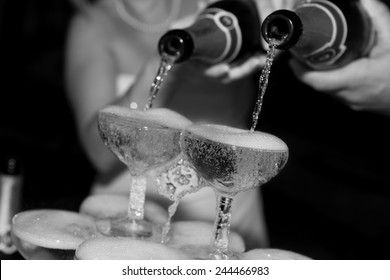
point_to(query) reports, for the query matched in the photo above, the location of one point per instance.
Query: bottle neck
(215, 36)
(282, 28)
(224, 32)
(176, 44)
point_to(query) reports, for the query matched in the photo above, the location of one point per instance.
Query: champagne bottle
(323, 34)
(10, 202)
(227, 30)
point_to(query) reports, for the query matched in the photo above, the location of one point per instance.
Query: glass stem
(136, 205)
(222, 223)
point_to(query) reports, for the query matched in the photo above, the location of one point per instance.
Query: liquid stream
(176, 188)
(263, 83)
(165, 66)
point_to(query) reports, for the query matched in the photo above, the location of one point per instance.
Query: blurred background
(35, 120)
(318, 218)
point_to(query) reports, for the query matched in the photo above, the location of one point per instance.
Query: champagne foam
(238, 137)
(56, 229)
(122, 248)
(156, 116)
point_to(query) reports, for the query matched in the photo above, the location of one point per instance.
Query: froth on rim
(55, 229)
(122, 248)
(238, 137)
(158, 116)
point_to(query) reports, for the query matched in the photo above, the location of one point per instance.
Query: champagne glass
(46, 234)
(231, 160)
(143, 141)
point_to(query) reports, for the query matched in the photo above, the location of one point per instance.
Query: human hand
(228, 72)
(363, 84)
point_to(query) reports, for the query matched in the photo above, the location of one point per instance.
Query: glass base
(138, 229)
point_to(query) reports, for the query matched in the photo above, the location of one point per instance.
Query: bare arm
(91, 72)
(90, 80)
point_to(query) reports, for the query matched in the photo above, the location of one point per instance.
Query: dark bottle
(10, 202)
(227, 30)
(323, 34)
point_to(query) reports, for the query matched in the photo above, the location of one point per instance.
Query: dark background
(35, 120)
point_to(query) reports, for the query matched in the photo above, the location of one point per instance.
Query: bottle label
(220, 29)
(328, 30)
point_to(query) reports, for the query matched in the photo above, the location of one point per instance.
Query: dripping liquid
(176, 198)
(167, 226)
(183, 180)
(263, 83)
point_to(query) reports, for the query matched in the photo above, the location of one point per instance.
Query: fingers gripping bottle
(323, 34)
(225, 31)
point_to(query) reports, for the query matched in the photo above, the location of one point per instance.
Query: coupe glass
(231, 160)
(143, 141)
(47, 234)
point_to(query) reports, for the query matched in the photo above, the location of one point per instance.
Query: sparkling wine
(231, 160)
(166, 64)
(50, 234)
(234, 160)
(263, 82)
(141, 139)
